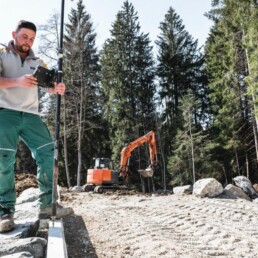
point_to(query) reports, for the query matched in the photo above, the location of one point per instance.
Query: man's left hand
(58, 88)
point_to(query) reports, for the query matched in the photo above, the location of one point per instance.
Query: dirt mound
(24, 181)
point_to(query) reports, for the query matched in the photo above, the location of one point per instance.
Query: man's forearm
(8, 82)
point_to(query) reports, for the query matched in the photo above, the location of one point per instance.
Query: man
(19, 118)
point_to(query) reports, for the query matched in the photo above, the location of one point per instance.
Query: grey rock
(23, 228)
(26, 210)
(28, 195)
(25, 219)
(77, 189)
(26, 226)
(207, 187)
(35, 245)
(245, 184)
(236, 192)
(186, 189)
(19, 255)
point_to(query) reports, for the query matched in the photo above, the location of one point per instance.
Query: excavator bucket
(148, 172)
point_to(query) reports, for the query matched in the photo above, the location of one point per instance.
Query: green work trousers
(34, 133)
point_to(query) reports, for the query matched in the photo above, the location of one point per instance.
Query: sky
(103, 14)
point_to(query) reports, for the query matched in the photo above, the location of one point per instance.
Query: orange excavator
(103, 176)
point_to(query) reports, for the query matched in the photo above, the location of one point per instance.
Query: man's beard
(21, 48)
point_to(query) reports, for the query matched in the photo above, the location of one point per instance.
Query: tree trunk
(79, 142)
(65, 149)
(160, 148)
(237, 163)
(255, 139)
(225, 174)
(192, 146)
(247, 167)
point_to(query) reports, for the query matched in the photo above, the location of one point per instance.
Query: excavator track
(102, 188)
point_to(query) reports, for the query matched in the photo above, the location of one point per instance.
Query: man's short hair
(27, 25)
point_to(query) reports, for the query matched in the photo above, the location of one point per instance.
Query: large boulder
(35, 246)
(207, 187)
(245, 184)
(235, 192)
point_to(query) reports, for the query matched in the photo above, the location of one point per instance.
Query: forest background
(200, 101)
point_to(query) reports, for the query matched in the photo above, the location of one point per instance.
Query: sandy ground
(117, 225)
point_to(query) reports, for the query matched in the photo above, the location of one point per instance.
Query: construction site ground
(132, 224)
(137, 225)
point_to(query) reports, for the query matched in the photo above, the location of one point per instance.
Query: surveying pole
(57, 119)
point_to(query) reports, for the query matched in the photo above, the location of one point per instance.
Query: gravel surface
(138, 225)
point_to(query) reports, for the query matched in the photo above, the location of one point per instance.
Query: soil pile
(24, 181)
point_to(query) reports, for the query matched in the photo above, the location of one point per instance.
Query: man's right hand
(27, 80)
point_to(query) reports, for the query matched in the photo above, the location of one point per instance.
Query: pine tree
(128, 82)
(186, 164)
(83, 106)
(180, 68)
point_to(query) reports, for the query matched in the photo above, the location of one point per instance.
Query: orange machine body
(100, 176)
(102, 173)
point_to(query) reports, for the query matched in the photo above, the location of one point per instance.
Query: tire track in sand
(171, 226)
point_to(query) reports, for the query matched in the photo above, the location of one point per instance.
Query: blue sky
(103, 12)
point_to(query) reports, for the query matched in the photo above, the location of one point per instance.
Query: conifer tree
(83, 106)
(128, 82)
(180, 68)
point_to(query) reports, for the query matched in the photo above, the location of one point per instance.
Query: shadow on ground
(77, 238)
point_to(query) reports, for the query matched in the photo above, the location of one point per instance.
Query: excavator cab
(103, 163)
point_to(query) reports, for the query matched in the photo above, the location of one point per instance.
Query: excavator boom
(127, 151)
